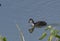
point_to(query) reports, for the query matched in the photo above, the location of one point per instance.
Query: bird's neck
(32, 24)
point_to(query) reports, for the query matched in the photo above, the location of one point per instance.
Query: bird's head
(31, 20)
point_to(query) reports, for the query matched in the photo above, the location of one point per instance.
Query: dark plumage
(36, 24)
(40, 23)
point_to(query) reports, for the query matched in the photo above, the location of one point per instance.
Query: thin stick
(21, 33)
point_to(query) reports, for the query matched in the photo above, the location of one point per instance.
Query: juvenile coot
(36, 24)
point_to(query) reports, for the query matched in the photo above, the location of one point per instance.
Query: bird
(38, 24)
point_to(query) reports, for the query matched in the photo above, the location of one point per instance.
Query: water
(19, 11)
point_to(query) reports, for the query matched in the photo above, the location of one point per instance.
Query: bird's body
(38, 24)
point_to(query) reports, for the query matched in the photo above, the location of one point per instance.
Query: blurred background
(19, 11)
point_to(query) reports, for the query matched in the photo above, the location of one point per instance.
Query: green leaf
(58, 36)
(48, 28)
(50, 38)
(59, 40)
(1, 38)
(4, 39)
(43, 36)
(52, 32)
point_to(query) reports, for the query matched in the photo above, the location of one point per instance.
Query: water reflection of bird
(36, 24)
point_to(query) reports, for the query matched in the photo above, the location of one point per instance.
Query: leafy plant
(3, 38)
(53, 33)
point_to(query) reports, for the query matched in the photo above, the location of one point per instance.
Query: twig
(21, 33)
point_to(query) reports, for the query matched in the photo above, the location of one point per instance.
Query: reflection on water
(54, 24)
